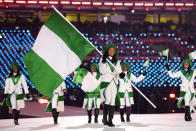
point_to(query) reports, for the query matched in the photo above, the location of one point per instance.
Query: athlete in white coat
(92, 98)
(126, 91)
(58, 101)
(187, 76)
(13, 91)
(109, 83)
(90, 82)
(56, 104)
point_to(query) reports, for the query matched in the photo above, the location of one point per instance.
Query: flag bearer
(126, 91)
(13, 91)
(187, 76)
(109, 83)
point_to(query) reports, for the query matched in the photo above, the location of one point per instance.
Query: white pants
(13, 100)
(91, 102)
(187, 98)
(54, 100)
(125, 101)
(110, 94)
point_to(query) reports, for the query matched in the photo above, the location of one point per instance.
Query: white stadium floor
(139, 122)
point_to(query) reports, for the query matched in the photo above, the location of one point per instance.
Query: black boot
(187, 114)
(122, 115)
(128, 111)
(54, 114)
(15, 116)
(105, 114)
(111, 115)
(18, 114)
(89, 115)
(57, 115)
(96, 115)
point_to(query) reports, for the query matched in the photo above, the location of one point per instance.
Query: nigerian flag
(192, 55)
(146, 63)
(164, 52)
(88, 81)
(58, 50)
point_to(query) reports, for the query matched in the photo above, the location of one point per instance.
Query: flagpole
(168, 55)
(100, 53)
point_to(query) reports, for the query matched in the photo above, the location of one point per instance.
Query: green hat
(96, 66)
(189, 61)
(15, 64)
(108, 46)
(125, 64)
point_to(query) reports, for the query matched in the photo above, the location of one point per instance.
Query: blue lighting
(133, 51)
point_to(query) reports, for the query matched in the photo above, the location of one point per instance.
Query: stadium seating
(134, 49)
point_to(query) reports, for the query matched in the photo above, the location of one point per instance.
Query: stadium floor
(140, 122)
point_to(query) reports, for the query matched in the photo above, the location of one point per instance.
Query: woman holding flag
(126, 91)
(13, 91)
(187, 76)
(91, 86)
(109, 82)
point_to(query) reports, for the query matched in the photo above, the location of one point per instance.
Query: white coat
(89, 84)
(125, 88)
(187, 85)
(10, 89)
(111, 77)
(126, 85)
(58, 92)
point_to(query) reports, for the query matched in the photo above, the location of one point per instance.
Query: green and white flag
(164, 52)
(146, 63)
(192, 55)
(1, 103)
(88, 80)
(80, 73)
(58, 50)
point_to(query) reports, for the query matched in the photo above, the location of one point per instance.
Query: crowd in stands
(34, 24)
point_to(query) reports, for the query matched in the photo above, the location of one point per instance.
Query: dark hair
(114, 58)
(18, 73)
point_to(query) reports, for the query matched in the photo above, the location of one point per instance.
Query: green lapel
(111, 67)
(128, 76)
(186, 76)
(15, 80)
(98, 76)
